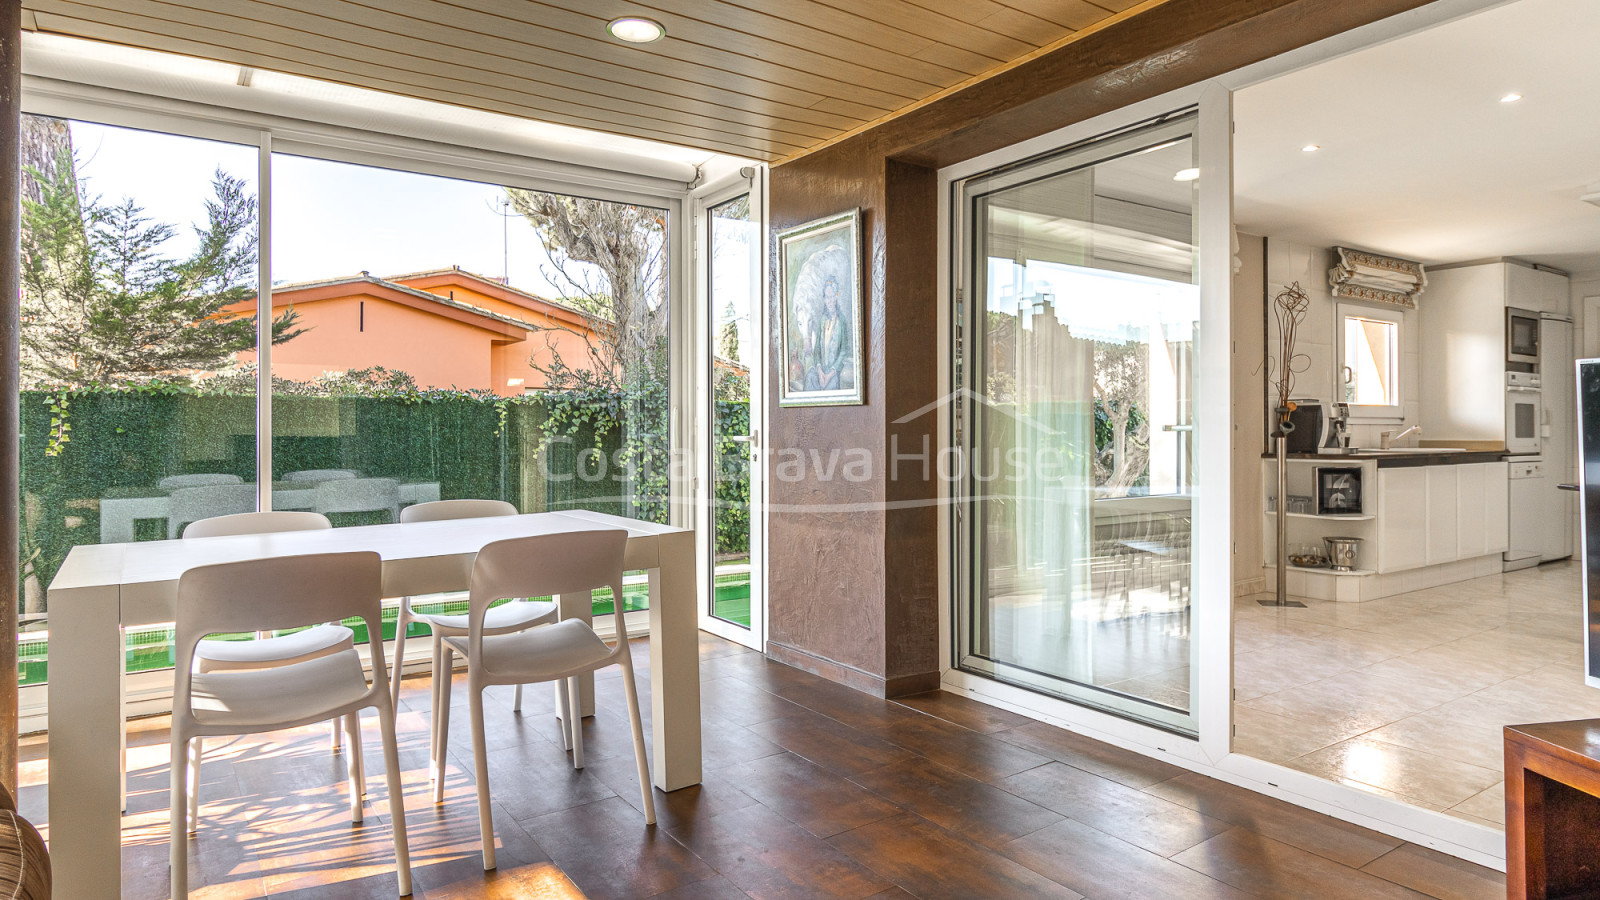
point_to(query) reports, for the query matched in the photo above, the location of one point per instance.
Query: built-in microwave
(1522, 336)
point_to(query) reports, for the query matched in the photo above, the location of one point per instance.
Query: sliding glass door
(1077, 320)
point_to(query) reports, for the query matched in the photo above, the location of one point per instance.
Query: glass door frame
(968, 561)
(751, 181)
(1211, 613)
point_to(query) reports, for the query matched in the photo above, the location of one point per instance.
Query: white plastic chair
(320, 475)
(267, 651)
(357, 495)
(270, 594)
(173, 482)
(191, 504)
(503, 619)
(536, 566)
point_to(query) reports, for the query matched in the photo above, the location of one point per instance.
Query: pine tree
(102, 304)
(610, 265)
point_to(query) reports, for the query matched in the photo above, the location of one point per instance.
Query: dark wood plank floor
(811, 790)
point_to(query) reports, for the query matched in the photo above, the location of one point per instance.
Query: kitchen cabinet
(1496, 508)
(1443, 501)
(1402, 519)
(1430, 515)
(1462, 339)
(1472, 533)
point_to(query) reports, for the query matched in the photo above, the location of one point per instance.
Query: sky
(329, 219)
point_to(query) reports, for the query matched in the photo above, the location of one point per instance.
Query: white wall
(1288, 262)
(1249, 423)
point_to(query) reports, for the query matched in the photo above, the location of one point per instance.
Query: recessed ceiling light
(636, 30)
(1310, 148)
(1186, 175)
(1511, 97)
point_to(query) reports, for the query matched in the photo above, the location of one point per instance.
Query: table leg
(86, 663)
(675, 664)
(122, 717)
(578, 606)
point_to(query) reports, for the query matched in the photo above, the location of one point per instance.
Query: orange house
(446, 328)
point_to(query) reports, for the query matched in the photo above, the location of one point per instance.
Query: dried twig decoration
(1289, 310)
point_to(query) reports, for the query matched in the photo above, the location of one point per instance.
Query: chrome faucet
(1387, 436)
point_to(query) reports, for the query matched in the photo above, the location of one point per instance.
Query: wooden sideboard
(1553, 811)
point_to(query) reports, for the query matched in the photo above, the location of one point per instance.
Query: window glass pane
(138, 324)
(1081, 463)
(1371, 359)
(463, 340)
(733, 242)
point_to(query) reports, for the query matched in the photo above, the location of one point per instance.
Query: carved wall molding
(1375, 278)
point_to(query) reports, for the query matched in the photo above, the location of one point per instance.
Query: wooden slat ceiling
(763, 79)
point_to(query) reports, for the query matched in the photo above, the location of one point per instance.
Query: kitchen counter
(1406, 459)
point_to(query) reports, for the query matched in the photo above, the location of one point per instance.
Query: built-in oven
(1522, 336)
(1524, 405)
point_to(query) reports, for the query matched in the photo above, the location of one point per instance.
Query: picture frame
(823, 357)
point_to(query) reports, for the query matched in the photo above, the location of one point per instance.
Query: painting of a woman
(822, 343)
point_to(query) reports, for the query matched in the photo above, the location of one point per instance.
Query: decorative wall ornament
(1374, 278)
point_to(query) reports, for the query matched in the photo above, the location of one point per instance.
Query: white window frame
(1211, 754)
(1211, 628)
(150, 693)
(1185, 120)
(753, 183)
(1393, 412)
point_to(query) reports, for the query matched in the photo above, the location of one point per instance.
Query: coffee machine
(1310, 421)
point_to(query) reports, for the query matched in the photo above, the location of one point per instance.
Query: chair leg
(480, 761)
(336, 741)
(435, 769)
(575, 723)
(197, 747)
(564, 698)
(516, 700)
(361, 758)
(634, 719)
(442, 675)
(352, 764)
(401, 622)
(397, 800)
(179, 801)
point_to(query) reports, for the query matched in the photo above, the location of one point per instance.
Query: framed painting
(820, 279)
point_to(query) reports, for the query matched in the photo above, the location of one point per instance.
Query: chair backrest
(320, 475)
(273, 594)
(257, 523)
(191, 504)
(348, 495)
(172, 482)
(545, 564)
(439, 510)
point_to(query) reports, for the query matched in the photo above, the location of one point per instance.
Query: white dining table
(103, 588)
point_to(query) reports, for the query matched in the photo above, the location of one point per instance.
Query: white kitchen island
(1426, 518)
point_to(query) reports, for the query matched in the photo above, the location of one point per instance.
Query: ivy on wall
(607, 450)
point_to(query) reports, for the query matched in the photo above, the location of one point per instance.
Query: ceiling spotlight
(1186, 175)
(1511, 97)
(636, 30)
(1310, 148)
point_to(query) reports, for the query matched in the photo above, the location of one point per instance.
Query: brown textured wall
(852, 593)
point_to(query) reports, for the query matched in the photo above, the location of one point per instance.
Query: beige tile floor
(1406, 696)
